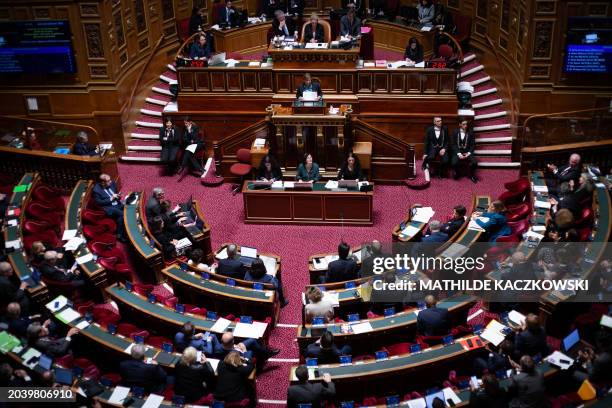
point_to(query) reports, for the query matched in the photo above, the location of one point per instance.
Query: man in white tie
(463, 144)
(436, 146)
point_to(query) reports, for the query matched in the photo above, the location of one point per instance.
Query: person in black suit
(433, 321)
(13, 378)
(153, 205)
(106, 195)
(228, 15)
(325, 351)
(314, 31)
(566, 199)
(136, 373)
(309, 85)
(351, 168)
(414, 51)
(295, 7)
(191, 136)
(342, 269)
(9, 292)
(38, 336)
(231, 266)
(270, 7)
(50, 270)
(462, 150)
(436, 145)
(454, 224)
(281, 25)
(527, 388)
(193, 379)
(565, 173)
(491, 395)
(169, 139)
(307, 393)
(167, 238)
(82, 147)
(531, 340)
(350, 24)
(196, 20)
(200, 49)
(269, 170)
(233, 378)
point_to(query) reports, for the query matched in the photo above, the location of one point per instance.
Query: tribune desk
(321, 55)
(316, 206)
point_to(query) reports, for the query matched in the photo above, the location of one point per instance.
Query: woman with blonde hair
(233, 378)
(318, 305)
(496, 224)
(193, 378)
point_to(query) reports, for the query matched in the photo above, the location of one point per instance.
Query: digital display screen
(589, 45)
(36, 47)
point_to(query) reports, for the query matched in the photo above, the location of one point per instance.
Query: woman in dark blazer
(314, 31)
(193, 379)
(269, 170)
(351, 169)
(233, 378)
(308, 170)
(414, 51)
(169, 139)
(164, 237)
(258, 273)
(200, 49)
(497, 224)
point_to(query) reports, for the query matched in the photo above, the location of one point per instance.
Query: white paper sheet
(540, 189)
(423, 214)
(516, 317)
(542, 204)
(220, 325)
(492, 336)
(249, 252)
(183, 243)
(417, 403)
(426, 28)
(153, 401)
(69, 234)
(119, 394)
(192, 148)
(538, 228)
(32, 352)
(73, 243)
(277, 185)
(13, 223)
(68, 315)
(82, 325)
(556, 357)
(61, 302)
(309, 96)
(606, 321)
(259, 142)
(449, 394)
(222, 254)
(319, 264)
(364, 327)
(410, 231)
(85, 258)
(474, 226)
(289, 184)
(254, 64)
(255, 330)
(420, 64)
(16, 244)
(214, 363)
(270, 264)
(331, 184)
(333, 297)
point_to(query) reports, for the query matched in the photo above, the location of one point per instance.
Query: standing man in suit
(350, 25)
(342, 269)
(454, 224)
(531, 340)
(169, 139)
(436, 145)
(82, 147)
(314, 31)
(191, 136)
(136, 373)
(227, 15)
(281, 25)
(462, 150)
(565, 173)
(307, 393)
(527, 387)
(231, 266)
(106, 194)
(433, 321)
(309, 85)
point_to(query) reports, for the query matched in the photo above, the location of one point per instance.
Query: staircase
(143, 145)
(491, 122)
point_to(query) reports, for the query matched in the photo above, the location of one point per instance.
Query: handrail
(539, 115)
(144, 69)
(567, 146)
(54, 122)
(454, 41)
(508, 88)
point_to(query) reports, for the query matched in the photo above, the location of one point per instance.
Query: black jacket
(53, 347)
(314, 87)
(414, 55)
(192, 137)
(173, 138)
(468, 144)
(84, 149)
(309, 394)
(528, 391)
(9, 292)
(341, 270)
(223, 17)
(232, 268)
(433, 321)
(480, 399)
(319, 31)
(347, 28)
(567, 173)
(531, 343)
(452, 226)
(327, 356)
(346, 174)
(152, 208)
(232, 382)
(276, 173)
(165, 240)
(136, 373)
(432, 144)
(279, 31)
(193, 381)
(55, 273)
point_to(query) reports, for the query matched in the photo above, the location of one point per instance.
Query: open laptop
(571, 344)
(347, 184)
(217, 59)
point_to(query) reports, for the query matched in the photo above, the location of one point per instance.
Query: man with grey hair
(52, 271)
(565, 173)
(38, 337)
(9, 291)
(281, 25)
(435, 235)
(231, 266)
(135, 372)
(153, 207)
(82, 147)
(106, 195)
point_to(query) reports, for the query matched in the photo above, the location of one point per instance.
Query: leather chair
(326, 30)
(519, 212)
(519, 227)
(518, 185)
(50, 197)
(586, 218)
(242, 168)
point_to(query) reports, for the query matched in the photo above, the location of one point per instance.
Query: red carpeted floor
(294, 244)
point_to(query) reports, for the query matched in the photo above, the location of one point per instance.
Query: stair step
(480, 145)
(136, 148)
(495, 133)
(170, 74)
(484, 92)
(471, 71)
(158, 99)
(141, 157)
(168, 80)
(484, 140)
(487, 103)
(478, 78)
(493, 152)
(144, 142)
(469, 65)
(162, 88)
(500, 164)
(150, 112)
(149, 124)
(491, 127)
(491, 115)
(468, 57)
(143, 136)
(171, 67)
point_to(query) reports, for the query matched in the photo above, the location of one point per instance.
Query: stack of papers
(556, 357)
(73, 243)
(426, 28)
(493, 332)
(310, 96)
(289, 184)
(534, 235)
(423, 214)
(259, 142)
(409, 231)
(331, 184)
(369, 64)
(68, 234)
(255, 330)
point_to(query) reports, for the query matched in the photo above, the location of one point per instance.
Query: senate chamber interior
(306, 203)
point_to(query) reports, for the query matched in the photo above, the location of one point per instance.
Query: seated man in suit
(314, 31)
(557, 175)
(527, 387)
(433, 321)
(281, 25)
(153, 206)
(462, 150)
(454, 224)
(39, 337)
(295, 7)
(82, 147)
(50, 269)
(325, 351)
(350, 25)
(435, 233)
(9, 291)
(436, 144)
(228, 15)
(106, 195)
(342, 269)
(231, 266)
(566, 199)
(312, 394)
(248, 349)
(531, 340)
(136, 373)
(308, 85)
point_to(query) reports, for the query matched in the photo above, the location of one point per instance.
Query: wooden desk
(394, 37)
(245, 40)
(142, 244)
(18, 259)
(315, 273)
(308, 56)
(95, 272)
(319, 206)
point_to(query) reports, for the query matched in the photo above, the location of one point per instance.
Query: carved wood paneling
(233, 82)
(143, 43)
(504, 22)
(167, 9)
(545, 7)
(346, 83)
(93, 39)
(598, 9)
(41, 13)
(265, 81)
(141, 18)
(119, 32)
(482, 9)
(542, 39)
(202, 82)
(381, 83)
(98, 71)
(364, 82)
(217, 80)
(89, 10)
(539, 71)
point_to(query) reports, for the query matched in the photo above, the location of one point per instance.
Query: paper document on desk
(410, 231)
(538, 228)
(222, 254)
(153, 401)
(309, 96)
(70, 233)
(369, 65)
(309, 45)
(331, 185)
(259, 142)
(540, 189)
(556, 357)
(493, 333)
(254, 64)
(277, 185)
(423, 214)
(333, 298)
(192, 148)
(15, 244)
(417, 403)
(119, 395)
(231, 62)
(516, 318)
(426, 28)
(542, 204)
(270, 264)
(220, 325)
(215, 27)
(289, 184)
(398, 64)
(255, 330)
(420, 64)
(449, 394)
(364, 327)
(73, 243)
(13, 223)
(85, 258)
(68, 315)
(534, 235)
(57, 303)
(473, 225)
(248, 252)
(183, 243)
